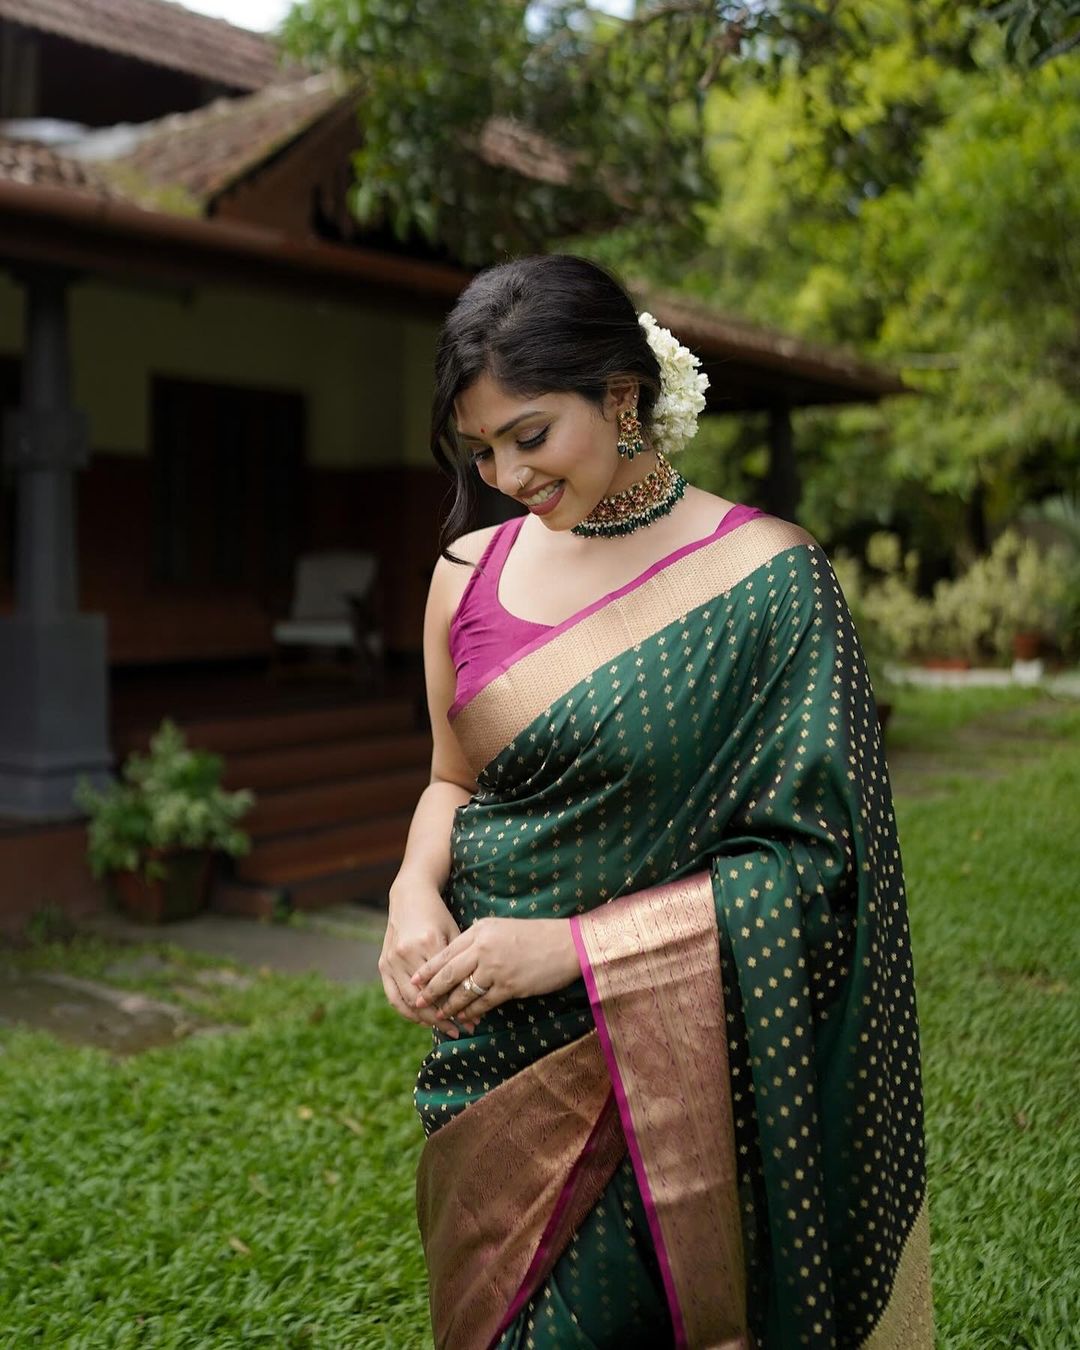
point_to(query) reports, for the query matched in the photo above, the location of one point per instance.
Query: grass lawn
(256, 1188)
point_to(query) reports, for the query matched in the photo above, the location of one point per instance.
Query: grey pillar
(782, 486)
(53, 663)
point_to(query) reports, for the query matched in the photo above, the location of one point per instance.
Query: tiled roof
(506, 143)
(37, 165)
(199, 154)
(724, 337)
(157, 32)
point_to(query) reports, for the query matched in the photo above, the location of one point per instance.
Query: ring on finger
(471, 987)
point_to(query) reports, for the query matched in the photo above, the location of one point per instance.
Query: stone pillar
(782, 486)
(53, 661)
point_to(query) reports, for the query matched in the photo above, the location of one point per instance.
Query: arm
(419, 924)
(504, 956)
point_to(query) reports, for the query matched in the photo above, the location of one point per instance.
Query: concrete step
(368, 885)
(314, 805)
(288, 860)
(248, 733)
(293, 766)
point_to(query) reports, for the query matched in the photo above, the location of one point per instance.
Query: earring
(629, 443)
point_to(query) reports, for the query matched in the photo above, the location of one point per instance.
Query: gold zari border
(908, 1320)
(652, 962)
(490, 1182)
(510, 703)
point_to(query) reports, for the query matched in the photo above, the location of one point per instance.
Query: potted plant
(152, 834)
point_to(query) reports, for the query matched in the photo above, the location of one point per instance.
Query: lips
(547, 502)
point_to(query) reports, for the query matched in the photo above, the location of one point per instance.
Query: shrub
(171, 798)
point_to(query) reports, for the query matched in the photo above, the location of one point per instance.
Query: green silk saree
(714, 1138)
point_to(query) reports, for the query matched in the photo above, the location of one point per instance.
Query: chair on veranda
(335, 609)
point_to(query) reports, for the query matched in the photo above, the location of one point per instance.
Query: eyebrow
(507, 426)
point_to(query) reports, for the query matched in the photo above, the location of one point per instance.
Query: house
(208, 371)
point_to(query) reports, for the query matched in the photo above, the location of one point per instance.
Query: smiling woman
(651, 902)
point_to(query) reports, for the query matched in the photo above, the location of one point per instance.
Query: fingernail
(421, 1001)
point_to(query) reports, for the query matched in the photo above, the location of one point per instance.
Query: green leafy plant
(169, 799)
(1016, 588)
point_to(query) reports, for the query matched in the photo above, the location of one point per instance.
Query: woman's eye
(480, 456)
(534, 441)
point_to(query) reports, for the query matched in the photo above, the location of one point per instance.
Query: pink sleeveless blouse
(484, 635)
(482, 632)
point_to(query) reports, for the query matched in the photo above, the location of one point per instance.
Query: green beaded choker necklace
(639, 505)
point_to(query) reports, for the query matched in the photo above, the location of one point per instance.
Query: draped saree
(714, 1137)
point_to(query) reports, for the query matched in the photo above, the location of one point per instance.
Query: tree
(605, 115)
(917, 196)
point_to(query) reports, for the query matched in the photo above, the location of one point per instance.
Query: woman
(652, 901)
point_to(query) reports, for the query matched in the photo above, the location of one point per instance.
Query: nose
(512, 480)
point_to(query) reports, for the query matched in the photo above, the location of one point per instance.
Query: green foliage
(913, 194)
(434, 80)
(1018, 587)
(1015, 588)
(1038, 30)
(170, 798)
(606, 112)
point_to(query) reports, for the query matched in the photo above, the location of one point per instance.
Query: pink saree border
(542, 1261)
(631, 1136)
(735, 516)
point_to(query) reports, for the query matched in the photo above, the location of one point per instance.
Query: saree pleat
(712, 726)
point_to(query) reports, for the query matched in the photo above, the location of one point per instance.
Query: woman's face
(555, 453)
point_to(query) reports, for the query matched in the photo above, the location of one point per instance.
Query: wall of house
(365, 378)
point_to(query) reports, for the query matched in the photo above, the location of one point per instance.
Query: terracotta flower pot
(184, 892)
(1027, 646)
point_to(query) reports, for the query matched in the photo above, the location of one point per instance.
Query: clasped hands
(426, 959)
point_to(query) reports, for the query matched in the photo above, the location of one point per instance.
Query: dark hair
(548, 324)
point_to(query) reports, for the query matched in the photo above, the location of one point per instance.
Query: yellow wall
(366, 374)
(419, 373)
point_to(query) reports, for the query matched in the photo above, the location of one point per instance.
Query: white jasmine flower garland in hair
(682, 388)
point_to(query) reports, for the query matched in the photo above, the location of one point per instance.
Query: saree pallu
(714, 1138)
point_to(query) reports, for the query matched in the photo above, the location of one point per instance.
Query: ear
(622, 393)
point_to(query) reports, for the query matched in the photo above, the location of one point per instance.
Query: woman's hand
(418, 927)
(509, 958)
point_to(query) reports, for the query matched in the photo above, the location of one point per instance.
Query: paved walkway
(1063, 683)
(342, 942)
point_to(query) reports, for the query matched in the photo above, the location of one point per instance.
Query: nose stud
(523, 478)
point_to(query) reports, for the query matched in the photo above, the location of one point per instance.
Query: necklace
(639, 505)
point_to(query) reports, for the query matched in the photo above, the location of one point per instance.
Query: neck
(632, 471)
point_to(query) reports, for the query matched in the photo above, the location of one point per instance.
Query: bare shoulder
(449, 579)
(471, 546)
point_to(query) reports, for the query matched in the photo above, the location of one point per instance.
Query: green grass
(924, 718)
(992, 875)
(237, 1191)
(257, 1188)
